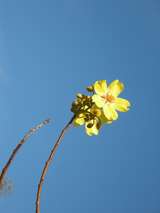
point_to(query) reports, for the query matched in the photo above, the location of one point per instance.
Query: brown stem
(45, 169)
(24, 139)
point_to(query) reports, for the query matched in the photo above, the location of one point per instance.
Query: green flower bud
(90, 88)
(79, 95)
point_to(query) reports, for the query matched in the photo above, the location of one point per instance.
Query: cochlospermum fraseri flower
(100, 108)
(87, 113)
(92, 111)
(106, 98)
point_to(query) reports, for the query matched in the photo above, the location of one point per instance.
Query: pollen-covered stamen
(109, 98)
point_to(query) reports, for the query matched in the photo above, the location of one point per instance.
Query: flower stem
(48, 162)
(14, 152)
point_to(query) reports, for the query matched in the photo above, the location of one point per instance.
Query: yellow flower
(100, 108)
(93, 119)
(91, 126)
(79, 120)
(106, 97)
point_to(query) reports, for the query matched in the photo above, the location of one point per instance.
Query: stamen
(108, 98)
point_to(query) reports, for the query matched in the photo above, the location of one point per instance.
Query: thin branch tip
(48, 120)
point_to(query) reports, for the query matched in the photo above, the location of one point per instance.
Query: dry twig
(45, 169)
(25, 138)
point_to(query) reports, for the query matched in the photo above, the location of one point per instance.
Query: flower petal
(79, 121)
(98, 100)
(100, 87)
(116, 87)
(122, 105)
(104, 120)
(110, 112)
(91, 131)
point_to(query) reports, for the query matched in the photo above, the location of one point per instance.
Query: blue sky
(49, 51)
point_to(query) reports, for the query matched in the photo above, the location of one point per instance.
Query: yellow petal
(91, 131)
(100, 87)
(116, 87)
(122, 105)
(79, 121)
(98, 100)
(109, 112)
(104, 120)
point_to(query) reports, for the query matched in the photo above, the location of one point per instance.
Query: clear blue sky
(49, 51)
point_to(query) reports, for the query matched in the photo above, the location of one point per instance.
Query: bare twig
(25, 138)
(51, 156)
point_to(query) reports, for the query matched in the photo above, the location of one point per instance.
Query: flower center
(109, 98)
